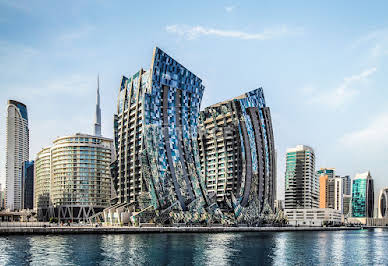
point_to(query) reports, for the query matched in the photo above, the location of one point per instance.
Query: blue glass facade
(28, 184)
(238, 156)
(159, 162)
(362, 197)
(156, 136)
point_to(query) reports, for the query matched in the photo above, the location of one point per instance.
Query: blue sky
(323, 67)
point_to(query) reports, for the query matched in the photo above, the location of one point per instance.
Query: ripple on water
(278, 248)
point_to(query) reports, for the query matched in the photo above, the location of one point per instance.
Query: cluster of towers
(217, 165)
(169, 162)
(306, 188)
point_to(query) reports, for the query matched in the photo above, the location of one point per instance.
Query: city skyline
(249, 50)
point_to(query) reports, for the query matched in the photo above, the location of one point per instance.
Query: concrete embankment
(142, 230)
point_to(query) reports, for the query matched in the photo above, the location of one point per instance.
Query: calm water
(285, 248)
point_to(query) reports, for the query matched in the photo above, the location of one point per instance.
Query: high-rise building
(17, 152)
(97, 124)
(362, 196)
(382, 211)
(42, 182)
(346, 185)
(73, 177)
(158, 164)
(237, 151)
(301, 183)
(330, 189)
(336, 194)
(28, 185)
(156, 136)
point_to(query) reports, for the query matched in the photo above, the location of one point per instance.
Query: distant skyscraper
(346, 185)
(362, 196)
(237, 150)
(97, 124)
(28, 185)
(330, 189)
(17, 152)
(301, 183)
(382, 211)
(329, 172)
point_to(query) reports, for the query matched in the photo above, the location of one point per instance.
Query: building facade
(28, 185)
(157, 150)
(237, 151)
(323, 191)
(17, 152)
(330, 189)
(42, 181)
(362, 196)
(160, 161)
(329, 172)
(346, 185)
(2, 198)
(313, 217)
(347, 205)
(73, 178)
(382, 211)
(301, 182)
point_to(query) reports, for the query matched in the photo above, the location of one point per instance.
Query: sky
(323, 67)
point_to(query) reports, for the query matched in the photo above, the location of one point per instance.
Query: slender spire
(97, 124)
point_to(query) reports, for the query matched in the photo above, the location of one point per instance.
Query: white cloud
(229, 8)
(341, 94)
(373, 136)
(194, 32)
(375, 43)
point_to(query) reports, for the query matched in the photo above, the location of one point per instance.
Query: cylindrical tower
(80, 171)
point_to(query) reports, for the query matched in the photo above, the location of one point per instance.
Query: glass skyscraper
(156, 135)
(301, 182)
(28, 185)
(362, 196)
(162, 174)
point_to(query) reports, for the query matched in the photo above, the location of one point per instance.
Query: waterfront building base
(141, 230)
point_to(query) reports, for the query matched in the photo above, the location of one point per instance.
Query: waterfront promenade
(137, 230)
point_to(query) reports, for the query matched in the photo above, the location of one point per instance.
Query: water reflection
(287, 248)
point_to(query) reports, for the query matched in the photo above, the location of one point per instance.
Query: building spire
(97, 124)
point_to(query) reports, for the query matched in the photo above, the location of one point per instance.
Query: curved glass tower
(17, 152)
(237, 154)
(156, 136)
